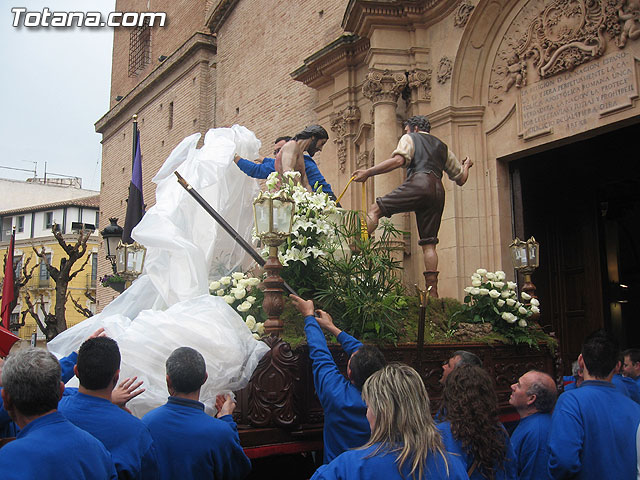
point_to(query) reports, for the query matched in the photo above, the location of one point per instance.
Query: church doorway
(581, 201)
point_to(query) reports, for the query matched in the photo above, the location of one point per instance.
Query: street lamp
(525, 257)
(112, 234)
(130, 260)
(273, 220)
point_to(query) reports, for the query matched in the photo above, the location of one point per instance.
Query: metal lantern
(273, 217)
(112, 234)
(525, 255)
(130, 260)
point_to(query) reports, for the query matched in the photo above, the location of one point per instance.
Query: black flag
(135, 205)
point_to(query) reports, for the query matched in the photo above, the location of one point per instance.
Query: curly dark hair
(419, 121)
(471, 406)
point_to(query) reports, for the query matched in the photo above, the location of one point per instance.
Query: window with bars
(139, 48)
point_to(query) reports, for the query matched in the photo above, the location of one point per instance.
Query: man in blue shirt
(533, 397)
(631, 364)
(190, 444)
(345, 413)
(125, 436)
(594, 427)
(268, 166)
(48, 446)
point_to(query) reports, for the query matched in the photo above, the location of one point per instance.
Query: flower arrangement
(235, 291)
(493, 299)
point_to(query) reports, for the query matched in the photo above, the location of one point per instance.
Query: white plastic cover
(169, 305)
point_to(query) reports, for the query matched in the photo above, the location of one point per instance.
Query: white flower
(511, 302)
(475, 291)
(491, 276)
(229, 299)
(468, 289)
(535, 309)
(500, 303)
(253, 281)
(509, 317)
(522, 311)
(498, 284)
(481, 271)
(505, 294)
(244, 283)
(535, 302)
(251, 322)
(239, 293)
(476, 283)
(243, 307)
(518, 304)
(251, 299)
(525, 296)
(272, 180)
(256, 336)
(494, 293)
(214, 286)
(500, 275)
(260, 328)
(475, 276)
(484, 291)
(225, 280)
(237, 275)
(511, 285)
(220, 292)
(522, 323)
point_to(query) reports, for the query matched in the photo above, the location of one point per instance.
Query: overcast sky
(55, 85)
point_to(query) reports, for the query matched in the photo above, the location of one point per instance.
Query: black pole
(228, 228)
(135, 140)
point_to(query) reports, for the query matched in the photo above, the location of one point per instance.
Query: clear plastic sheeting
(169, 305)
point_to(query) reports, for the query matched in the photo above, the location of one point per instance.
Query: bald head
(535, 392)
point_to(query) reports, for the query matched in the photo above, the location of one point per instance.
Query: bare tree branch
(79, 308)
(73, 275)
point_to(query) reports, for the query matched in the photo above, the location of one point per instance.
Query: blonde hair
(398, 398)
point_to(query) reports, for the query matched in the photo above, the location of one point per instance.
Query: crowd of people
(378, 421)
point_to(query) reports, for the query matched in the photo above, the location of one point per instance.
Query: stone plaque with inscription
(575, 101)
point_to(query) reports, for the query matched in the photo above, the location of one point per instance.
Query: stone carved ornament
(420, 82)
(384, 85)
(445, 67)
(557, 36)
(340, 126)
(463, 12)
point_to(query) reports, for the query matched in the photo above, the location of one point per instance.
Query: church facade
(541, 94)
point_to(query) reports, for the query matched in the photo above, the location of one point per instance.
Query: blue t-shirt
(264, 169)
(505, 472)
(50, 447)
(359, 464)
(627, 386)
(593, 432)
(192, 445)
(345, 413)
(530, 442)
(125, 436)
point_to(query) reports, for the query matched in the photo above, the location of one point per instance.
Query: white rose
(494, 293)
(500, 303)
(481, 271)
(214, 286)
(518, 304)
(525, 296)
(237, 275)
(251, 299)
(491, 276)
(229, 299)
(239, 293)
(484, 291)
(505, 294)
(225, 280)
(260, 328)
(475, 276)
(498, 284)
(512, 318)
(500, 275)
(535, 302)
(253, 281)
(511, 302)
(522, 323)
(244, 283)
(522, 311)
(251, 322)
(256, 336)
(220, 292)
(475, 291)
(243, 307)
(468, 289)
(511, 285)
(476, 283)
(535, 309)
(506, 316)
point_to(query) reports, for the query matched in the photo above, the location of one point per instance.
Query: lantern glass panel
(282, 215)
(519, 255)
(112, 245)
(534, 260)
(121, 264)
(262, 217)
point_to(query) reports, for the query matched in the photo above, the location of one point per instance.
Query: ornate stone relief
(445, 68)
(419, 81)
(340, 125)
(549, 38)
(363, 160)
(463, 12)
(384, 85)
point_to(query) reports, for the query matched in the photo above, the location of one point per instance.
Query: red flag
(8, 293)
(7, 339)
